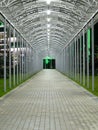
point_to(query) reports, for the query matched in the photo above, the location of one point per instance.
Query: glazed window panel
(1, 54)
(96, 53)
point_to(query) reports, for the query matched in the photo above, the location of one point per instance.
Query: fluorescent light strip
(48, 25)
(48, 12)
(48, 19)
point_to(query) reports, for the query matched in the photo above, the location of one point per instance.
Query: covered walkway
(49, 101)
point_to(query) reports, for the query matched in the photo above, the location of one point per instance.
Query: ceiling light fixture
(48, 12)
(48, 30)
(48, 34)
(48, 25)
(48, 2)
(48, 19)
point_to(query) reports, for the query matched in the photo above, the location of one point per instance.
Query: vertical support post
(28, 59)
(83, 56)
(22, 57)
(14, 56)
(69, 58)
(9, 56)
(51, 63)
(72, 60)
(80, 60)
(26, 63)
(88, 43)
(17, 60)
(68, 61)
(30, 62)
(92, 26)
(45, 64)
(64, 60)
(75, 59)
(24, 60)
(4, 55)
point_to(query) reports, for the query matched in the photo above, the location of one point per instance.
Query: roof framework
(48, 32)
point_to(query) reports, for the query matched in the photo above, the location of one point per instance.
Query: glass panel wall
(73, 60)
(12, 63)
(1, 54)
(23, 58)
(90, 59)
(96, 53)
(77, 58)
(85, 44)
(81, 57)
(17, 62)
(7, 56)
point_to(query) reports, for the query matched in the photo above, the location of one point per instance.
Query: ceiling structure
(48, 25)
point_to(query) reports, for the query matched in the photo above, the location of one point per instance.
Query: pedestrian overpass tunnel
(29, 32)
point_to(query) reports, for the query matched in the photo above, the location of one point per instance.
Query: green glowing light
(1, 24)
(47, 59)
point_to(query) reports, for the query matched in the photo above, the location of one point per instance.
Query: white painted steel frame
(83, 56)
(10, 78)
(14, 56)
(15, 77)
(80, 59)
(4, 55)
(87, 27)
(92, 26)
(78, 56)
(66, 16)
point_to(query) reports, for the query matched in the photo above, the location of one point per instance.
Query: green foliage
(1, 23)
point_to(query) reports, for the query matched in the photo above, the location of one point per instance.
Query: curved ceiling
(48, 25)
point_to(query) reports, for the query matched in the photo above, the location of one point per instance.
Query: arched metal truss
(65, 19)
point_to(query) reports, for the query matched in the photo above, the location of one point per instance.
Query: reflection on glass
(81, 59)
(96, 55)
(7, 56)
(90, 59)
(1, 56)
(85, 58)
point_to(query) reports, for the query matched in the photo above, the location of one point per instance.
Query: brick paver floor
(49, 101)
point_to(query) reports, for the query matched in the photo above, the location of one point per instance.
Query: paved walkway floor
(49, 101)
